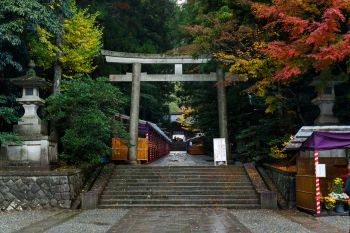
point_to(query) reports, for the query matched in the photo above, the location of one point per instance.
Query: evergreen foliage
(85, 114)
(19, 17)
(8, 115)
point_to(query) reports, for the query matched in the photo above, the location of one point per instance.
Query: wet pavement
(174, 220)
(181, 158)
(190, 220)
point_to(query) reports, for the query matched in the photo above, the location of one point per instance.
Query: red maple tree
(308, 33)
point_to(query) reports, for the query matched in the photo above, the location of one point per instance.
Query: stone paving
(169, 220)
(175, 220)
(189, 220)
(181, 158)
(92, 221)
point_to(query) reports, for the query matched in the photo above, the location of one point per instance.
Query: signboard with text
(321, 170)
(220, 151)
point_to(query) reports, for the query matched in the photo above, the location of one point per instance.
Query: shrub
(84, 114)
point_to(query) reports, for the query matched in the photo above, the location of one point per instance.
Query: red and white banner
(318, 192)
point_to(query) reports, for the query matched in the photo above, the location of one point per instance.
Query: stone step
(180, 196)
(181, 169)
(179, 188)
(229, 206)
(179, 201)
(177, 180)
(204, 171)
(246, 191)
(184, 176)
(200, 176)
(180, 173)
(192, 184)
(185, 169)
(170, 175)
(131, 167)
(195, 186)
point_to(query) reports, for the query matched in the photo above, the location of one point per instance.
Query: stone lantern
(36, 147)
(325, 101)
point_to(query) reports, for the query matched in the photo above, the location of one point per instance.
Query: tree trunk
(57, 76)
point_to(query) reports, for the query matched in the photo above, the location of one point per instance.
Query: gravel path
(15, 220)
(90, 221)
(263, 221)
(341, 222)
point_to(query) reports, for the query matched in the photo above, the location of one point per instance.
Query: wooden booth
(152, 142)
(318, 145)
(195, 146)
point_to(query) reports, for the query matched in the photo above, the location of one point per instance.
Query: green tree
(85, 113)
(81, 42)
(8, 115)
(17, 18)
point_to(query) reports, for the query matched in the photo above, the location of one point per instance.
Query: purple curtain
(326, 141)
(142, 129)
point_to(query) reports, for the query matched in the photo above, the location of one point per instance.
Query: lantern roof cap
(318, 81)
(30, 79)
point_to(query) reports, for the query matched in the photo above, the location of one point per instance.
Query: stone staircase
(190, 186)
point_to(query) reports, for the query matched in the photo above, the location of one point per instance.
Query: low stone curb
(87, 186)
(32, 173)
(89, 199)
(282, 203)
(268, 199)
(284, 181)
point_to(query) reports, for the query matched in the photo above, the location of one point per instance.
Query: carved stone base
(326, 117)
(39, 151)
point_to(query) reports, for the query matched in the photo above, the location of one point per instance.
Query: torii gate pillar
(134, 112)
(222, 109)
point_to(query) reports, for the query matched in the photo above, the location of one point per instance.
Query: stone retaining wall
(285, 183)
(38, 189)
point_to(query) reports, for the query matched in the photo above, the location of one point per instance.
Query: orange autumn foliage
(310, 33)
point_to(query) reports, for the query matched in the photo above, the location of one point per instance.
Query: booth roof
(305, 132)
(326, 141)
(143, 122)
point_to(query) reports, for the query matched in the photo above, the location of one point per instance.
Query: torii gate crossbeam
(136, 77)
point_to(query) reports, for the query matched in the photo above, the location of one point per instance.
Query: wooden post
(134, 112)
(318, 192)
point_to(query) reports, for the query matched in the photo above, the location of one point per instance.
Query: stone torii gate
(136, 77)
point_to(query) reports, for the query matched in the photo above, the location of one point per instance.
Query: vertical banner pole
(318, 192)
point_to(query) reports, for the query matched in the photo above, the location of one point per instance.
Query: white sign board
(219, 151)
(321, 170)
